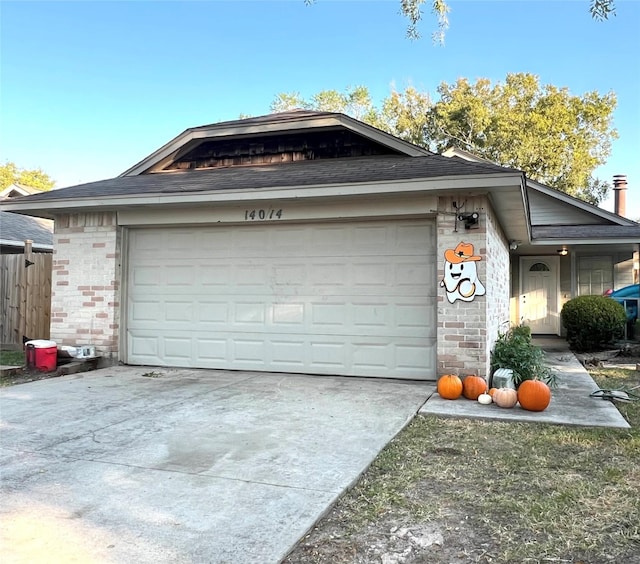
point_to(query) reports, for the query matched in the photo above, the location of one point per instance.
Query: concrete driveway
(132, 464)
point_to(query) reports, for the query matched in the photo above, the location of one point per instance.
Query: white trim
(555, 260)
(123, 349)
(599, 241)
(343, 209)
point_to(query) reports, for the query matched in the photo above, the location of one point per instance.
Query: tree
(35, 178)
(556, 138)
(412, 10)
(355, 101)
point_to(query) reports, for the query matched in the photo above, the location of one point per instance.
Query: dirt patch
(24, 375)
(621, 356)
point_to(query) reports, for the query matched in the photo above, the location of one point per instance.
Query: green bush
(515, 350)
(592, 322)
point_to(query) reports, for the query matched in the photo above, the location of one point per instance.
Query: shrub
(592, 321)
(515, 350)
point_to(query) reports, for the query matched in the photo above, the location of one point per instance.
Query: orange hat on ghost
(462, 253)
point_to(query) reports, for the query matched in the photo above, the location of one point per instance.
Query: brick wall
(467, 330)
(85, 301)
(498, 280)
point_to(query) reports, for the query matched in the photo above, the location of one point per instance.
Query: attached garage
(353, 298)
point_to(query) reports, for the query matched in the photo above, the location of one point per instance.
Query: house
(310, 242)
(16, 229)
(16, 190)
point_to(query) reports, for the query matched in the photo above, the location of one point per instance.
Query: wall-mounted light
(563, 252)
(513, 245)
(470, 219)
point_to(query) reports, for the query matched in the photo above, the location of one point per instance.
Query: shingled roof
(303, 173)
(16, 228)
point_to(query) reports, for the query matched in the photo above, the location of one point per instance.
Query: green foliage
(515, 350)
(36, 178)
(555, 137)
(405, 114)
(592, 321)
(412, 10)
(355, 101)
(602, 9)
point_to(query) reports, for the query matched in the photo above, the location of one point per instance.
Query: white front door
(539, 294)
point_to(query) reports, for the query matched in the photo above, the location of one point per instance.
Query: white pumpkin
(485, 399)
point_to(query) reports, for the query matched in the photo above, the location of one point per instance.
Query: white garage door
(327, 298)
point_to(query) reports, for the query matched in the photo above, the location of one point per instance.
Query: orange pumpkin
(450, 386)
(473, 386)
(534, 395)
(492, 391)
(505, 397)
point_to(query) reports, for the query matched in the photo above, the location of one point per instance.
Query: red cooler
(42, 355)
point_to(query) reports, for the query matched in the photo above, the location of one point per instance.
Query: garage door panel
(288, 314)
(288, 353)
(353, 299)
(318, 354)
(210, 352)
(396, 317)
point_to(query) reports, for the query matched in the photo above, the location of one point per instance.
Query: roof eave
(53, 207)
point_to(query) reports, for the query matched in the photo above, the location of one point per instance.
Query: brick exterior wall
(468, 330)
(497, 281)
(85, 301)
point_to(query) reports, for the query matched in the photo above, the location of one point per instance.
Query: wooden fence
(25, 296)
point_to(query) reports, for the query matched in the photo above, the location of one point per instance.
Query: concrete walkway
(570, 402)
(144, 465)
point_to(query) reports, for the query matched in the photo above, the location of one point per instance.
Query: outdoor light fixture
(563, 252)
(513, 245)
(469, 218)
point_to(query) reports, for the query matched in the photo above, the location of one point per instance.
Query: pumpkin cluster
(533, 395)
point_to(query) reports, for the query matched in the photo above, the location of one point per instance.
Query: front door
(539, 294)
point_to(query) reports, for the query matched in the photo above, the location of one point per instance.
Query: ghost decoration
(460, 274)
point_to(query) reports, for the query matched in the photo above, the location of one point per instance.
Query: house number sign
(262, 215)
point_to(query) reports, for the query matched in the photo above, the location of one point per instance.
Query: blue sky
(90, 88)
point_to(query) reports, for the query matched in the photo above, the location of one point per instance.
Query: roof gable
(549, 206)
(283, 137)
(17, 190)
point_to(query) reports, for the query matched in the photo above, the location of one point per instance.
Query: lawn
(12, 358)
(448, 490)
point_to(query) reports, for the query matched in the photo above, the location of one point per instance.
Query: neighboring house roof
(16, 190)
(16, 228)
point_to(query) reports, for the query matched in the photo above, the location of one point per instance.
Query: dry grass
(498, 492)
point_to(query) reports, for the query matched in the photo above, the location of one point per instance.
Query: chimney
(620, 194)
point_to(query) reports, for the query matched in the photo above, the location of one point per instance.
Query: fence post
(24, 290)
